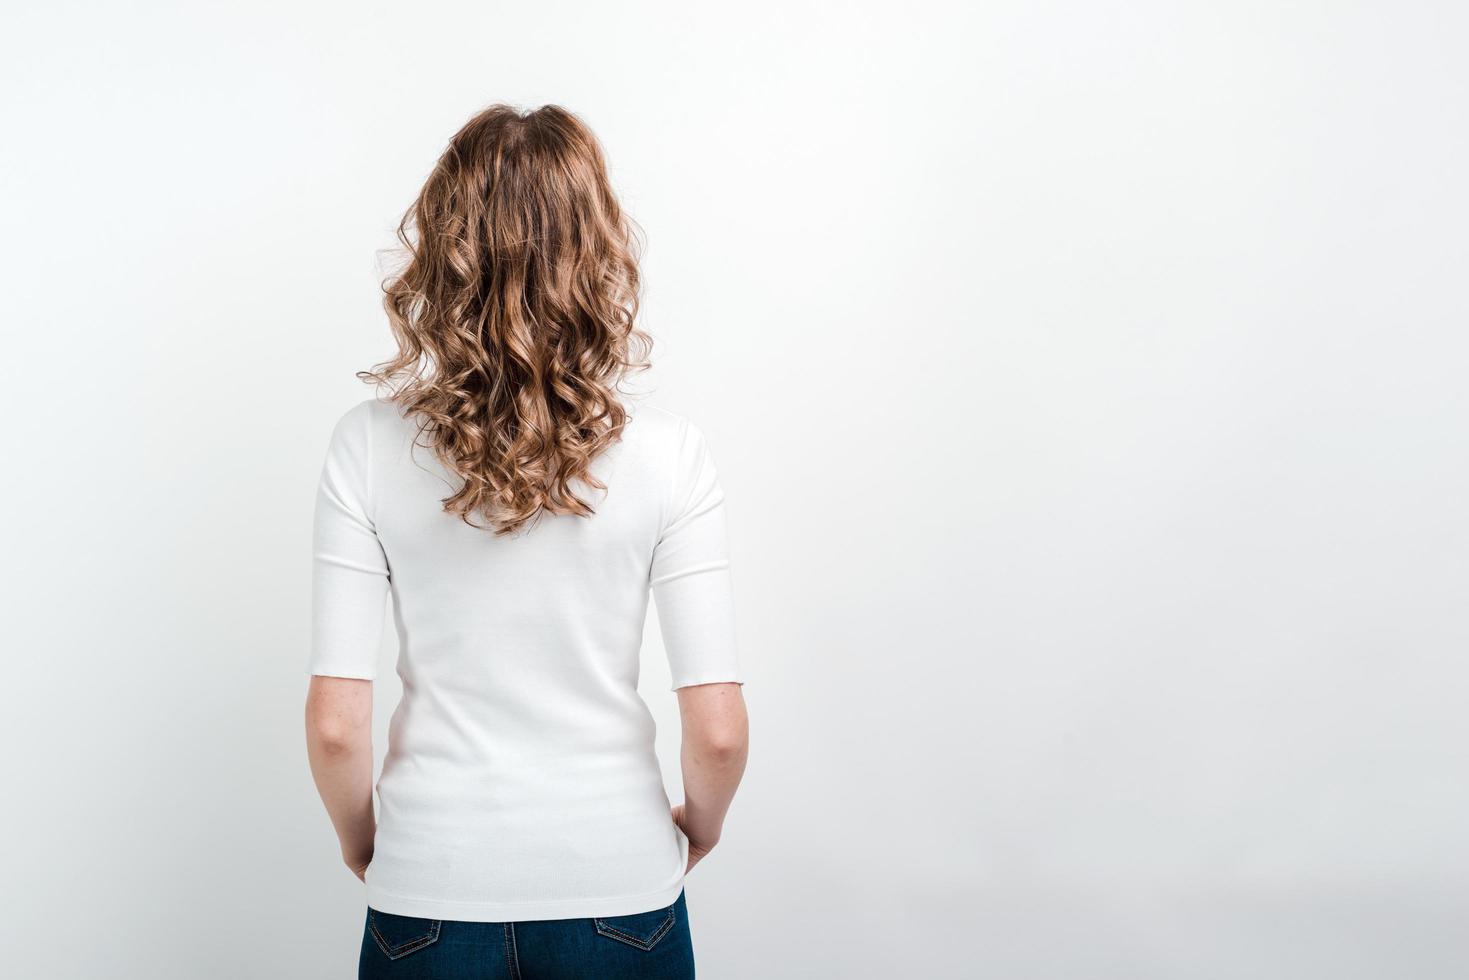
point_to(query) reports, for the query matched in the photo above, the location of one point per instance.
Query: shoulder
(676, 447)
(656, 425)
(670, 446)
(368, 415)
(367, 422)
(375, 411)
(666, 439)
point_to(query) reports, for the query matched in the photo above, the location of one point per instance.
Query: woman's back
(520, 780)
(520, 509)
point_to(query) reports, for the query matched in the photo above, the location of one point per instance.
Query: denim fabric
(645, 946)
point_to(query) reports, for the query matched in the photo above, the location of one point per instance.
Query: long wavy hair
(515, 315)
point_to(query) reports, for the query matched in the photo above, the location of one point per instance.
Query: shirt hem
(575, 908)
(700, 681)
(351, 673)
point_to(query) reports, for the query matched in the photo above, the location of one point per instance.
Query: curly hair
(515, 315)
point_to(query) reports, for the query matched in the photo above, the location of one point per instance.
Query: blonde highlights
(515, 315)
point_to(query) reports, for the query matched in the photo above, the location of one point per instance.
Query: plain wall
(1088, 385)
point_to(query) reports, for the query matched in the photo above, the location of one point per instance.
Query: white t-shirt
(520, 780)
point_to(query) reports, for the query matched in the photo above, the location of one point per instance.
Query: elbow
(334, 737)
(724, 745)
(338, 726)
(716, 729)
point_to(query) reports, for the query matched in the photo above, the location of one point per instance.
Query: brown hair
(515, 314)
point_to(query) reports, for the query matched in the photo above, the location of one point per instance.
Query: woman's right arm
(691, 584)
(716, 742)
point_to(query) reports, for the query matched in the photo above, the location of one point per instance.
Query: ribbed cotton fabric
(520, 780)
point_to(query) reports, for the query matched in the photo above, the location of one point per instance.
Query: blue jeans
(644, 946)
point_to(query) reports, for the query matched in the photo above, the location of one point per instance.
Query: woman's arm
(716, 741)
(339, 745)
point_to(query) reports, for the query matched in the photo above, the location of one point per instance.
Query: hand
(698, 850)
(357, 863)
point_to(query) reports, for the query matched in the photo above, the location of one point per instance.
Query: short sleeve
(690, 573)
(349, 582)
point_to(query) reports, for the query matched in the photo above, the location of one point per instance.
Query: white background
(1087, 382)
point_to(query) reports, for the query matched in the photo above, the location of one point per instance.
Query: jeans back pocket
(641, 929)
(399, 935)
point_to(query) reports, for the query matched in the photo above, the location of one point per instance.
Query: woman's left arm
(339, 745)
(349, 587)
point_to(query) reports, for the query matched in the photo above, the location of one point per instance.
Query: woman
(519, 510)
